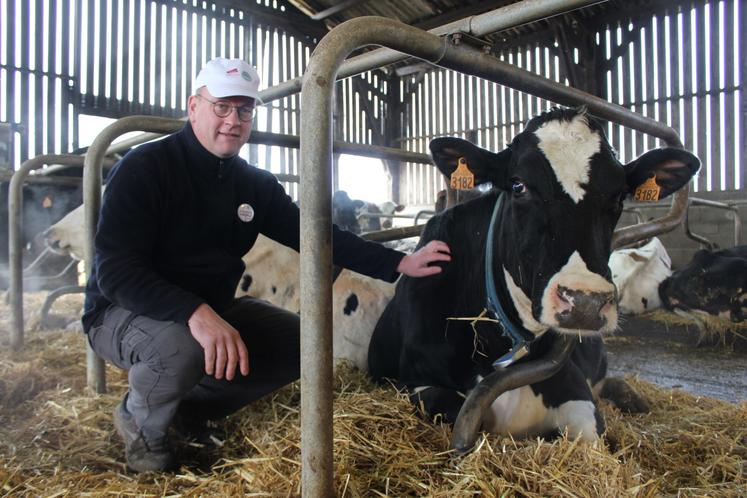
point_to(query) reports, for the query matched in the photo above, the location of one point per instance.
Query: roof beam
(287, 20)
(335, 9)
(461, 13)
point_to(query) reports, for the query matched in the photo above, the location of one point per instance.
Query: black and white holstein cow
(713, 283)
(559, 191)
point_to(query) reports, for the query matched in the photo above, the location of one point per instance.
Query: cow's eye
(517, 187)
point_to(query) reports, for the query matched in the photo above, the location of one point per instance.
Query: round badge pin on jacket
(246, 213)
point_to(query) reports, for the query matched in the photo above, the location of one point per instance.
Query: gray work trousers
(166, 365)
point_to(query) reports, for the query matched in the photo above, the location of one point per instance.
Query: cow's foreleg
(622, 395)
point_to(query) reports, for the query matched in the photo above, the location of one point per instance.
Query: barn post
(393, 133)
(317, 477)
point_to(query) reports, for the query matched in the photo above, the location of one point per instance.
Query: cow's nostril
(565, 301)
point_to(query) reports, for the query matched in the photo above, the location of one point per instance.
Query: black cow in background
(43, 205)
(346, 212)
(714, 283)
(559, 191)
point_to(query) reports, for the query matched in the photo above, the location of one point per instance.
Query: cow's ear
(485, 165)
(673, 169)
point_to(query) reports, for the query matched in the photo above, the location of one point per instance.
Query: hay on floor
(57, 440)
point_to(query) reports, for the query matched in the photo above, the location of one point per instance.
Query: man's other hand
(224, 349)
(416, 264)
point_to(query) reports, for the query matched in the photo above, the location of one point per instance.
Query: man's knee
(181, 356)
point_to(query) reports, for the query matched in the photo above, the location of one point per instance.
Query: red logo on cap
(232, 71)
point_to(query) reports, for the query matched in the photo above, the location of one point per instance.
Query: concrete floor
(671, 358)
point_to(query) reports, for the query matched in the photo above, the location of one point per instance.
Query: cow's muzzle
(469, 420)
(583, 310)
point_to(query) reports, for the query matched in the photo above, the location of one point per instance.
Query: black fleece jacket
(170, 238)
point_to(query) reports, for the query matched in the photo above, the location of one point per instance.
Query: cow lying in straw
(546, 234)
(713, 283)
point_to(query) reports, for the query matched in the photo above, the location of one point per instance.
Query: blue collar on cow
(521, 338)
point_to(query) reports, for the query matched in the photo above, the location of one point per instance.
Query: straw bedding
(711, 329)
(57, 440)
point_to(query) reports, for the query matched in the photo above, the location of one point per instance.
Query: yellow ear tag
(648, 191)
(462, 178)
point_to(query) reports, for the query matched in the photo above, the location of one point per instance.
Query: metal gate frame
(317, 476)
(317, 86)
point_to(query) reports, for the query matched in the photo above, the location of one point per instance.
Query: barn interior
(69, 69)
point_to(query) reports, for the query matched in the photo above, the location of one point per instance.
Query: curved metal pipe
(50, 278)
(696, 201)
(469, 420)
(42, 257)
(316, 181)
(95, 372)
(53, 296)
(394, 233)
(501, 18)
(423, 212)
(15, 229)
(703, 241)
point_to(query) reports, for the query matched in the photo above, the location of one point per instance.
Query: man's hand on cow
(224, 349)
(417, 263)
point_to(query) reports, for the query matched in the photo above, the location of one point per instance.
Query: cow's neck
(521, 338)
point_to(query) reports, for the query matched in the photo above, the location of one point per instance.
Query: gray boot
(141, 455)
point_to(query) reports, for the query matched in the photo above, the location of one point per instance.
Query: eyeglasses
(223, 109)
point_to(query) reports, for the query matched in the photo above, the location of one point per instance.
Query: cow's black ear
(486, 166)
(673, 169)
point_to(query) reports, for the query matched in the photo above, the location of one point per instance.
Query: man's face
(223, 137)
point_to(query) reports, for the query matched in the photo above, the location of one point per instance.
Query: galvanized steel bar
(316, 163)
(394, 233)
(15, 230)
(316, 229)
(157, 126)
(474, 62)
(483, 24)
(292, 141)
(96, 376)
(52, 297)
(694, 201)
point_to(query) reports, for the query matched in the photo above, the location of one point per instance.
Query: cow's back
(407, 333)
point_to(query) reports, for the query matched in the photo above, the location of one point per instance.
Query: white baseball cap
(229, 78)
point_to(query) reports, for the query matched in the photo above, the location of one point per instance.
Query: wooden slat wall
(115, 58)
(685, 68)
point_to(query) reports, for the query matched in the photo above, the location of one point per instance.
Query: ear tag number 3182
(462, 178)
(648, 191)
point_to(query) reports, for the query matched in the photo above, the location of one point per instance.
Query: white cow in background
(272, 275)
(637, 274)
(68, 235)
(357, 302)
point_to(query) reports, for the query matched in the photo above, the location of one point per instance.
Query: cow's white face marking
(575, 275)
(568, 146)
(523, 305)
(522, 413)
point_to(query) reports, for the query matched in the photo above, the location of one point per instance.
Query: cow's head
(564, 189)
(714, 282)
(344, 212)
